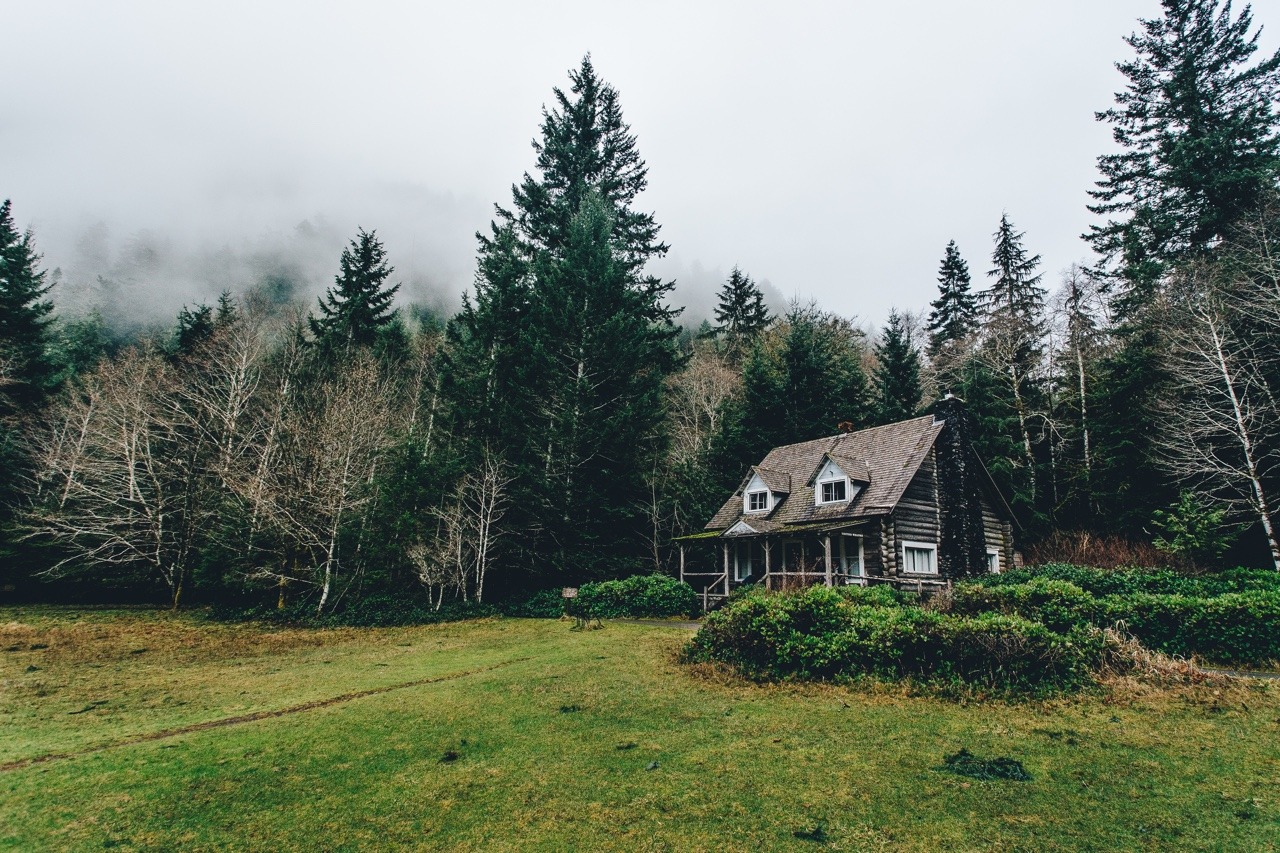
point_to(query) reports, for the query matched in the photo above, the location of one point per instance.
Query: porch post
(726, 559)
(681, 562)
(768, 567)
(826, 550)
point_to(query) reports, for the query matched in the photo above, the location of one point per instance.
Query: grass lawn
(522, 735)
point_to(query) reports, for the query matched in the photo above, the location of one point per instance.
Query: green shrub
(1102, 582)
(822, 633)
(882, 595)
(1231, 617)
(1234, 628)
(639, 596)
(1058, 604)
(545, 604)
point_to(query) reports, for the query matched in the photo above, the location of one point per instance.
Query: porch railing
(720, 579)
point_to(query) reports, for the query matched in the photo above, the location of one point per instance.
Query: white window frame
(846, 541)
(931, 547)
(993, 561)
(830, 481)
(831, 473)
(746, 501)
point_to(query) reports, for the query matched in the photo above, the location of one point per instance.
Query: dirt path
(1241, 673)
(246, 718)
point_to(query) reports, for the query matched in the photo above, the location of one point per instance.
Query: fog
(829, 149)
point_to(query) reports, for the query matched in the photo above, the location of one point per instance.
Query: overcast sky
(831, 149)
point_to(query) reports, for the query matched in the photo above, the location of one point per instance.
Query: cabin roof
(883, 459)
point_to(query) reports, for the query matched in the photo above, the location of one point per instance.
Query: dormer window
(758, 501)
(833, 491)
(831, 485)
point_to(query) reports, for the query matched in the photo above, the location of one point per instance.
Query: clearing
(138, 730)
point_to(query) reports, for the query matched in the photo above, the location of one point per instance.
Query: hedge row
(1230, 627)
(825, 633)
(641, 596)
(1102, 582)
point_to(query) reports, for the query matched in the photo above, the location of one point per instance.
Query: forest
(568, 421)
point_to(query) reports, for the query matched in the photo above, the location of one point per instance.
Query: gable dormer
(835, 483)
(765, 489)
(756, 496)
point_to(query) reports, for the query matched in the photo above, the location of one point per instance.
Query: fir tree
(586, 147)
(195, 326)
(1197, 128)
(560, 357)
(897, 372)
(741, 314)
(1016, 293)
(1013, 334)
(955, 312)
(25, 315)
(352, 312)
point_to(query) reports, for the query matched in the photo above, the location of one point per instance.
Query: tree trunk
(1246, 444)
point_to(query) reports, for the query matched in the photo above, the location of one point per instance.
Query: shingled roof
(884, 457)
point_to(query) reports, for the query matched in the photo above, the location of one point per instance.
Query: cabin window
(919, 558)
(993, 561)
(757, 501)
(833, 491)
(850, 555)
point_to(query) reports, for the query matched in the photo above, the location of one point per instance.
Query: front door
(793, 554)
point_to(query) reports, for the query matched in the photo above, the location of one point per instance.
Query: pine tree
(559, 359)
(1013, 333)
(586, 147)
(1016, 293)
(1198, 132)
(955, 312)
(195, 326)
(352, 312)
(741, 314)
(897, 372)
(25, 315)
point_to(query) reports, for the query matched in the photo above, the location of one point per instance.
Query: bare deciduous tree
(468, 532)
(316, 472)
(696, 398)
(1221, 434)
(115, 478)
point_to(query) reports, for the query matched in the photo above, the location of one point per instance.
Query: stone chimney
(962, 550)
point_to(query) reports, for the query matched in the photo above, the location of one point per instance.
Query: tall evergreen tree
(897, 372)
(560, 358)
(359, 305)
(1197, 128)
(25, 314)
(195, 326)
(741, 314)
(1013, 335)
(1015, 293)
(955, 312)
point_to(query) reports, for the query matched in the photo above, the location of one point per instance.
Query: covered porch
(780, 559)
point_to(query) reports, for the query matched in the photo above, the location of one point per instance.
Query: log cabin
(907, 503)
